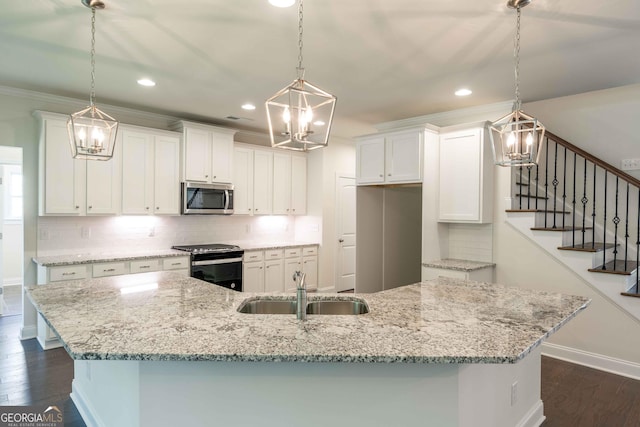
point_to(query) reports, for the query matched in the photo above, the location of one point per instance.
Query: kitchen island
(161, 349)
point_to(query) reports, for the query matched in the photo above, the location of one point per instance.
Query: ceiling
(384, 60)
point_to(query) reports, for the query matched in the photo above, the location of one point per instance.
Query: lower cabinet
(272, 270)
(46, 337)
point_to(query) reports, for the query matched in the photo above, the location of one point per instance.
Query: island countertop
(173, 317)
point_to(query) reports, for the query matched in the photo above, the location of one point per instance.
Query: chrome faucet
(301, 295)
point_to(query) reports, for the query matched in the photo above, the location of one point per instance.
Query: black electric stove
(216, 263)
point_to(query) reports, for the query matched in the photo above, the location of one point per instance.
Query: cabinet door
(460, 193)
(242, 181)
(167, 175)
(273, 276)
(298, 185)
(253, 277)
(403, 157)
(281, 184)
(103, 185)
(197, 155)
(137, 173)
(222, 157)
(62, 177)
(262, 182)
(310, 268)
(370, 161)
(291, 265)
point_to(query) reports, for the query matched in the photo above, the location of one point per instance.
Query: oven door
(226, 272)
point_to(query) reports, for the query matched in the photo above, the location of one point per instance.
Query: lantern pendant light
(92, 133)
(516, 138)
(300, 115)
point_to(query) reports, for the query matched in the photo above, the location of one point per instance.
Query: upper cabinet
(150, 171)
(207, 152)
(390, 158)
(289, 184)
(71, 186)
(466, 176)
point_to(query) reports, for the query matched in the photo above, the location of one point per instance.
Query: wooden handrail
(604, 165)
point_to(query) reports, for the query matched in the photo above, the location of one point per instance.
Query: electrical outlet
(630, 164)
(248, 228)
(85, 232)
(514, 393)
(152, 231)
(44, 234)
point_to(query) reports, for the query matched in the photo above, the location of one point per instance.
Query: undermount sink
(352, 306)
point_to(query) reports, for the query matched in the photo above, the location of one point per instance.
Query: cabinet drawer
(253, 256)
(175, 263)
(145, 265)
(292, 252)
(68, 273)
(110, 269)
(310, 250)
(273, 254)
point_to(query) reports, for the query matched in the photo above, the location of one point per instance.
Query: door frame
(336, 271)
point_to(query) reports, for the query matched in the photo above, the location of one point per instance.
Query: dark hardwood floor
(31, 376)
(573, 395)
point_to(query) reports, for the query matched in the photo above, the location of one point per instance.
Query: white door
(2, 202)
(346, 233)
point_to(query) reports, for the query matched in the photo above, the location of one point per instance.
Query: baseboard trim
(83, 406)
(593, 360)
(28, 332)
(12, 281)
(535, 417)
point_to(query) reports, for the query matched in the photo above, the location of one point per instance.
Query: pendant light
(92, 133)
(301, 114)
(516, 138)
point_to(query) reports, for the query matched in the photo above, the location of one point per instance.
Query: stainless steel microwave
(207, 199)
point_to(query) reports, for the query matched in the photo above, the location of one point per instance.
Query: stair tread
(531, 196)
(568, 228)
(588, 247)
(616, 268)
(538, 211)
(629, 294)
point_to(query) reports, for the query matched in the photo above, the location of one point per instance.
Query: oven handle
(217, 261)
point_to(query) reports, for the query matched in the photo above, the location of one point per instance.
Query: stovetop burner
(203, 249)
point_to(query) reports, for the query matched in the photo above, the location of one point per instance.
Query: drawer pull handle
(108, 270)
(69, 274)
(145, 266)
(176, 263)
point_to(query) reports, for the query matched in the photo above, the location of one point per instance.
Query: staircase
(585, 213)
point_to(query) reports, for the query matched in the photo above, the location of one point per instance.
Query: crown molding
(450, 118)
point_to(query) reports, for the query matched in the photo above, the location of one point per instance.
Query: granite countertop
(251, 245)
(111, 256)
(181, 318)
(458, 264)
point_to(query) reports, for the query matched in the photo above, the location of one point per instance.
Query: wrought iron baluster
(626, 232)
(616, 221)
(520, 192)
(555, 183)
(546, 180)
(537, 174)
(604, 223)
(593, 214)
(638, 245)
(564, 186)
(584, 201)
(528, 187)
(573, 202)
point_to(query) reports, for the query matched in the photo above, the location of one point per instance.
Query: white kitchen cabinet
(274, 275)
(207, 152)
(310, 266)
(71, 186)
(150, 172)
(289, 184)
(466, 197)
(242, 181)
(253, 271)
(291, 265)
(262, 182)
(390, 158)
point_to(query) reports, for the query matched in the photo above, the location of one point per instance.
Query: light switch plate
(630, 164)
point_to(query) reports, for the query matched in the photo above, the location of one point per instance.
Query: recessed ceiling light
(282, 3)
(319, 123)
(248, 106)
(463, 92)
(146, 82)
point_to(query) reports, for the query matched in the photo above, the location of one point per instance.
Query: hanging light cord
(92, 96)
(516, 56)
(300, 68)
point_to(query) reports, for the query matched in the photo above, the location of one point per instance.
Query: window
(13, 193)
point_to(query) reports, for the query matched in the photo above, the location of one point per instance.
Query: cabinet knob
(381, 176)
(77, 207)
(215, 176)
(256, 209)
(388, 174)
(340, 240)
(147, 208)
(90, 207)
(157, 208)
(206, 176)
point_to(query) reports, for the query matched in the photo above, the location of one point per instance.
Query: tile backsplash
(472, 242)
(69, 235)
